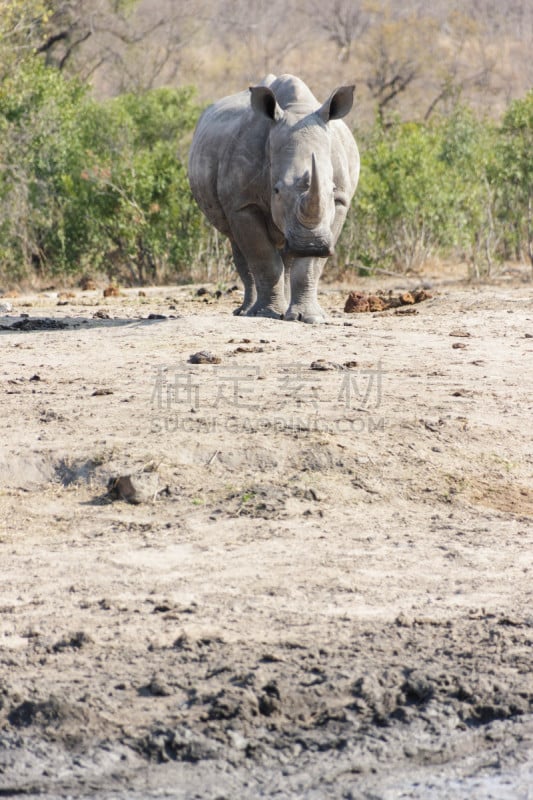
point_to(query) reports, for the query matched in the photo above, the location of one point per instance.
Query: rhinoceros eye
(340, 199)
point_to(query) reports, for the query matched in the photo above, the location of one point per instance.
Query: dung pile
(359, 302)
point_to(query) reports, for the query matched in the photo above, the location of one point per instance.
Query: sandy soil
(323, 587)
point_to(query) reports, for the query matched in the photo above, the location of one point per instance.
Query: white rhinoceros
(275, 172)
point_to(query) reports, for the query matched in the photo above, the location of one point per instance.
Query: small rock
(144, 487)
(157, 688)
(322, 365)
(204, 357)
(111, 291)
(460, 332)
(122, 488)
(101, 392)
(101, 314)
(5, 308)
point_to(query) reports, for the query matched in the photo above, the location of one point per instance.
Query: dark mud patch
(432, 678)
(53, 712)
(417, 691)
(29, 324)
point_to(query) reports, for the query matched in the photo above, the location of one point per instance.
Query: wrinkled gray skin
(275, 172)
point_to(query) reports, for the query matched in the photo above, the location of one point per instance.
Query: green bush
(467, 151)
(513, 178)
(423, 191)
(38, 125)
(94, 186)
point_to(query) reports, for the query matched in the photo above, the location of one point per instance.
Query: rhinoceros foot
(271, 312)
(243, 309)
(311, 314)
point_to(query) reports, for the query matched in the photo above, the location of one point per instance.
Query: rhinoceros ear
(338, 104)
(264, 102)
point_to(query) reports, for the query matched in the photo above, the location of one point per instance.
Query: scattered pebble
(460, 332)
(322, 365)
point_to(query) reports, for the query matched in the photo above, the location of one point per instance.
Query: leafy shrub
(423, 190)
(89, 185)
(513, 177)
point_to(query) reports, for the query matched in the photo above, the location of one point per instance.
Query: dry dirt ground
(323, 587)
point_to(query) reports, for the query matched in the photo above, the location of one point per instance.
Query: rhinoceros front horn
(310, 209)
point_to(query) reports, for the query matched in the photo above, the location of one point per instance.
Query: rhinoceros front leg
(250, 294)
(263, 262)
(305, 274)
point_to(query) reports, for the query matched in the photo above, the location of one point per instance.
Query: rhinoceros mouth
(317, 250)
